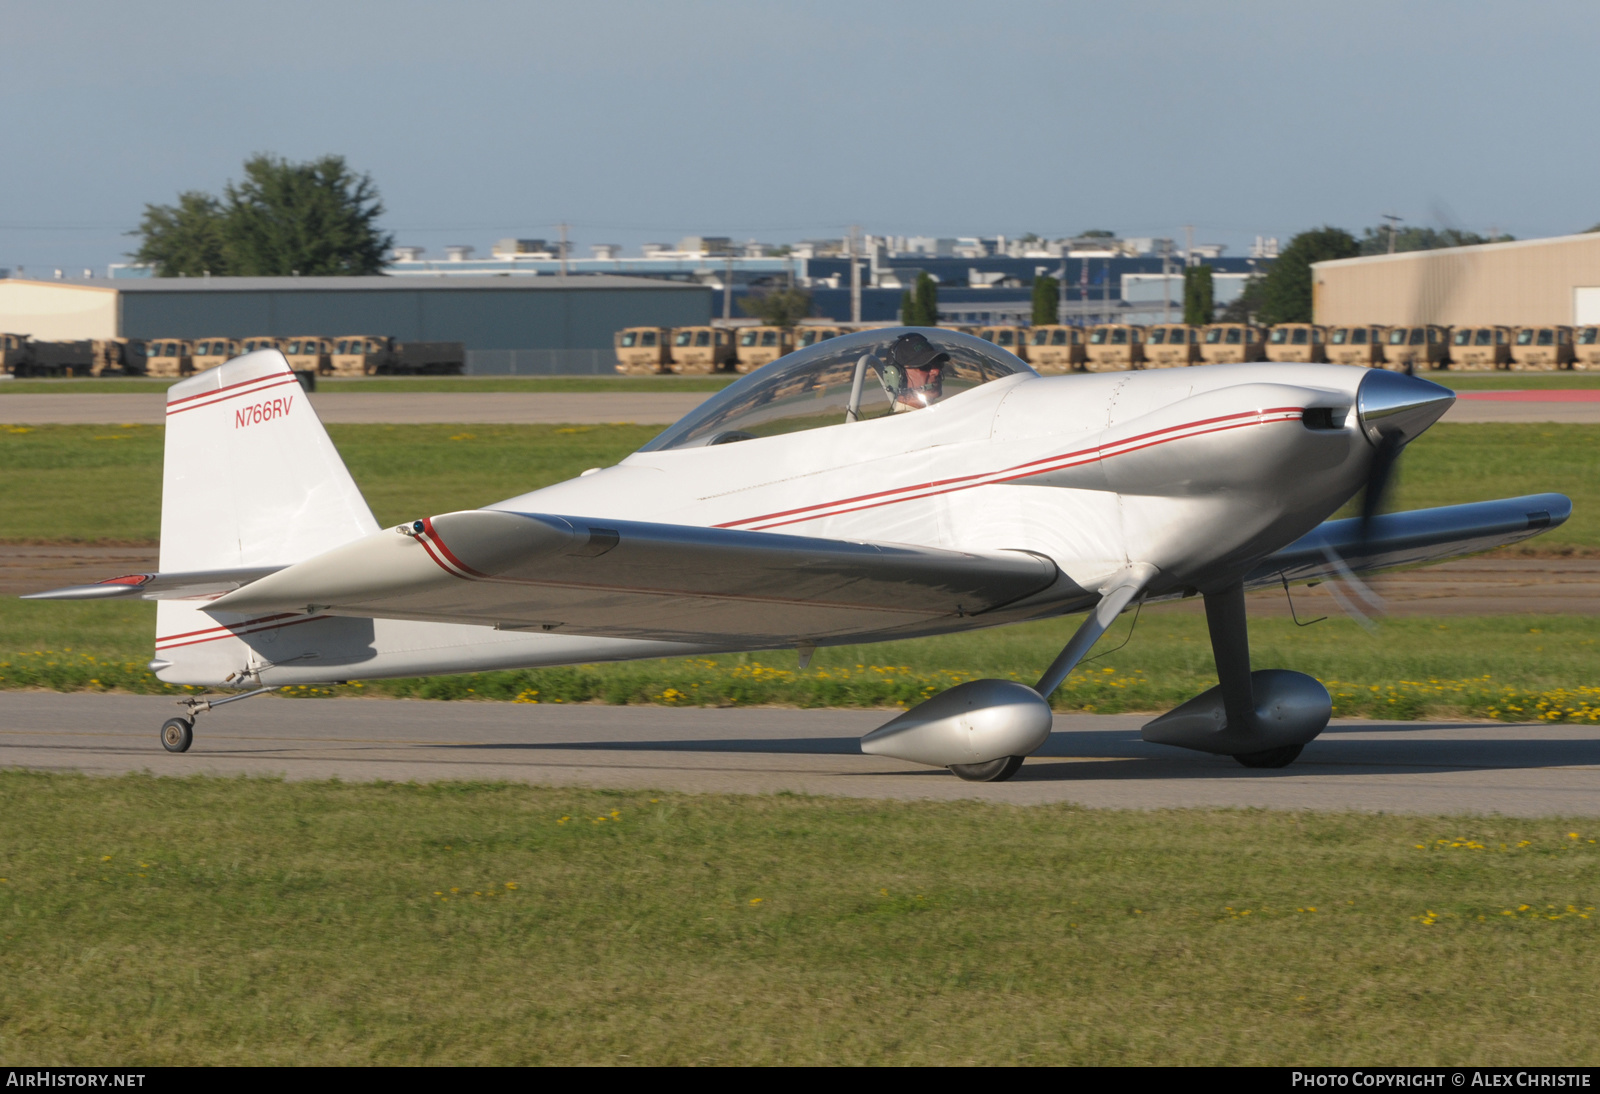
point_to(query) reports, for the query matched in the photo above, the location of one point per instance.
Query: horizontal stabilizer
(160, 586)
(1411, 538)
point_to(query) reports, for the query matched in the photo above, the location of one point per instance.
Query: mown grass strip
(1513, 668)
(236, 921)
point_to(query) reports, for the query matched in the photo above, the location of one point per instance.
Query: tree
(186, 239)
(1046, 300)
(908, 310)
(927, 301)
(1375, 241)
(777, 307)
(1286, 288)
(314, 218)
(1245, 307)
(1197, 295)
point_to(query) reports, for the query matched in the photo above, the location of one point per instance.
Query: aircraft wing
(160, 586)
(1410, 538)
(629, 579)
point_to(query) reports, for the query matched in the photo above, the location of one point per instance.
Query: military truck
(761, 345)
(1542, 347)
(1171, 345)
(803, 336)
(168, 357)
(309, 353)
(1474, 348)
(1114, 346)
(13, 352)
(1419, 347)
(260, 341)
(1232, 343)
(58, 359)
(1586, 348)
(380, 355)
(1011, 338)
(211, 352)
(1355, 346)
(124, 356)
(1303, 342)
(698, 350)
(1053, 347)
(644, 351)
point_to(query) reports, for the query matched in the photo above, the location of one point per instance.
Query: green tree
(1286, 288)
(908, 310)
(927, 301)
(186, 239)
(1046, 300)
(1197, 295)
(777, 307)
(1375, 241)
(1245, 307)
(314, 218)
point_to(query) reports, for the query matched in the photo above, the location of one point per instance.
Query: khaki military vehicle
(168, 357)
(1053, 347)
(353, 353)
(1171, 345)
(1480, 347)
(250, 345)
(309, 354)
(644, 351)
(697, 350)
(1114, 346)
(13, 352)
(211, 352)
(760, 345)
(1542, 347)
(114, 356)
(1586, 348)
(1010, 338)
(1420, 347)
(1305, 342)
(1355, 346)
(1232, 343)
(810, 336)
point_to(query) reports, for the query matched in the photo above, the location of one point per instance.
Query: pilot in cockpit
(916, 371)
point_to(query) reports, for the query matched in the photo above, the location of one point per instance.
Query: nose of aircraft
(1392, 404)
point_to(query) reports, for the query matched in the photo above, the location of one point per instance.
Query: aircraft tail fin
(250, 477)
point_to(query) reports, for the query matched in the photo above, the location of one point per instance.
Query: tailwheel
(1272, 757)
(995, 771)
(177, 734)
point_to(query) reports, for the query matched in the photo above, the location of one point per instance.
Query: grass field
(594, 384)
(103, 483)
(1508, 667)
(1462, 381)
(212, 921)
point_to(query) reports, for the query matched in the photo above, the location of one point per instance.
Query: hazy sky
(642, 121)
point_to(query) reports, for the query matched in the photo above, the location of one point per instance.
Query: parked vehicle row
(348, 355)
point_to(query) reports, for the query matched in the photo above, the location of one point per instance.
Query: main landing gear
(995, 771)
(177, 734)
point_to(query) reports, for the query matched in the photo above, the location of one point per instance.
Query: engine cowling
(972, 723)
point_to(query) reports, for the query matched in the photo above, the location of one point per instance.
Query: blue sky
(640, 121)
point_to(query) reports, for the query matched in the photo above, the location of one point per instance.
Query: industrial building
(1523, 283)
(522, 324)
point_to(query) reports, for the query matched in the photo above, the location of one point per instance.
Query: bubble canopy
(854, 378)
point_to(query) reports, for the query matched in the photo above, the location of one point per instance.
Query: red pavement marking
(1586, 395)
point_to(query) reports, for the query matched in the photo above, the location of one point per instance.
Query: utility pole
(727, 289)
(855, 274)
(563, 227)
(1166, 281)
(1188, 244)
(1393, 220)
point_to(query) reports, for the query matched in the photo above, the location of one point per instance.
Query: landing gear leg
(1230, 645)
(177, 734)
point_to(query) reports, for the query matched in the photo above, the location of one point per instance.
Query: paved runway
(1092, 760)
(644, 408)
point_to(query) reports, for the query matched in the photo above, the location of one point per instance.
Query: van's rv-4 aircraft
(882, 485)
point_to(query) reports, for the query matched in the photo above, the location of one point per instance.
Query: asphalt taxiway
(1090, 760)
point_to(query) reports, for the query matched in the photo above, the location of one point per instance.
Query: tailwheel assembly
(995, 771)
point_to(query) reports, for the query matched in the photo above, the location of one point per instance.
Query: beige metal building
(1530, 282)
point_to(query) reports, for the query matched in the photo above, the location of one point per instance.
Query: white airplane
(877, 486)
